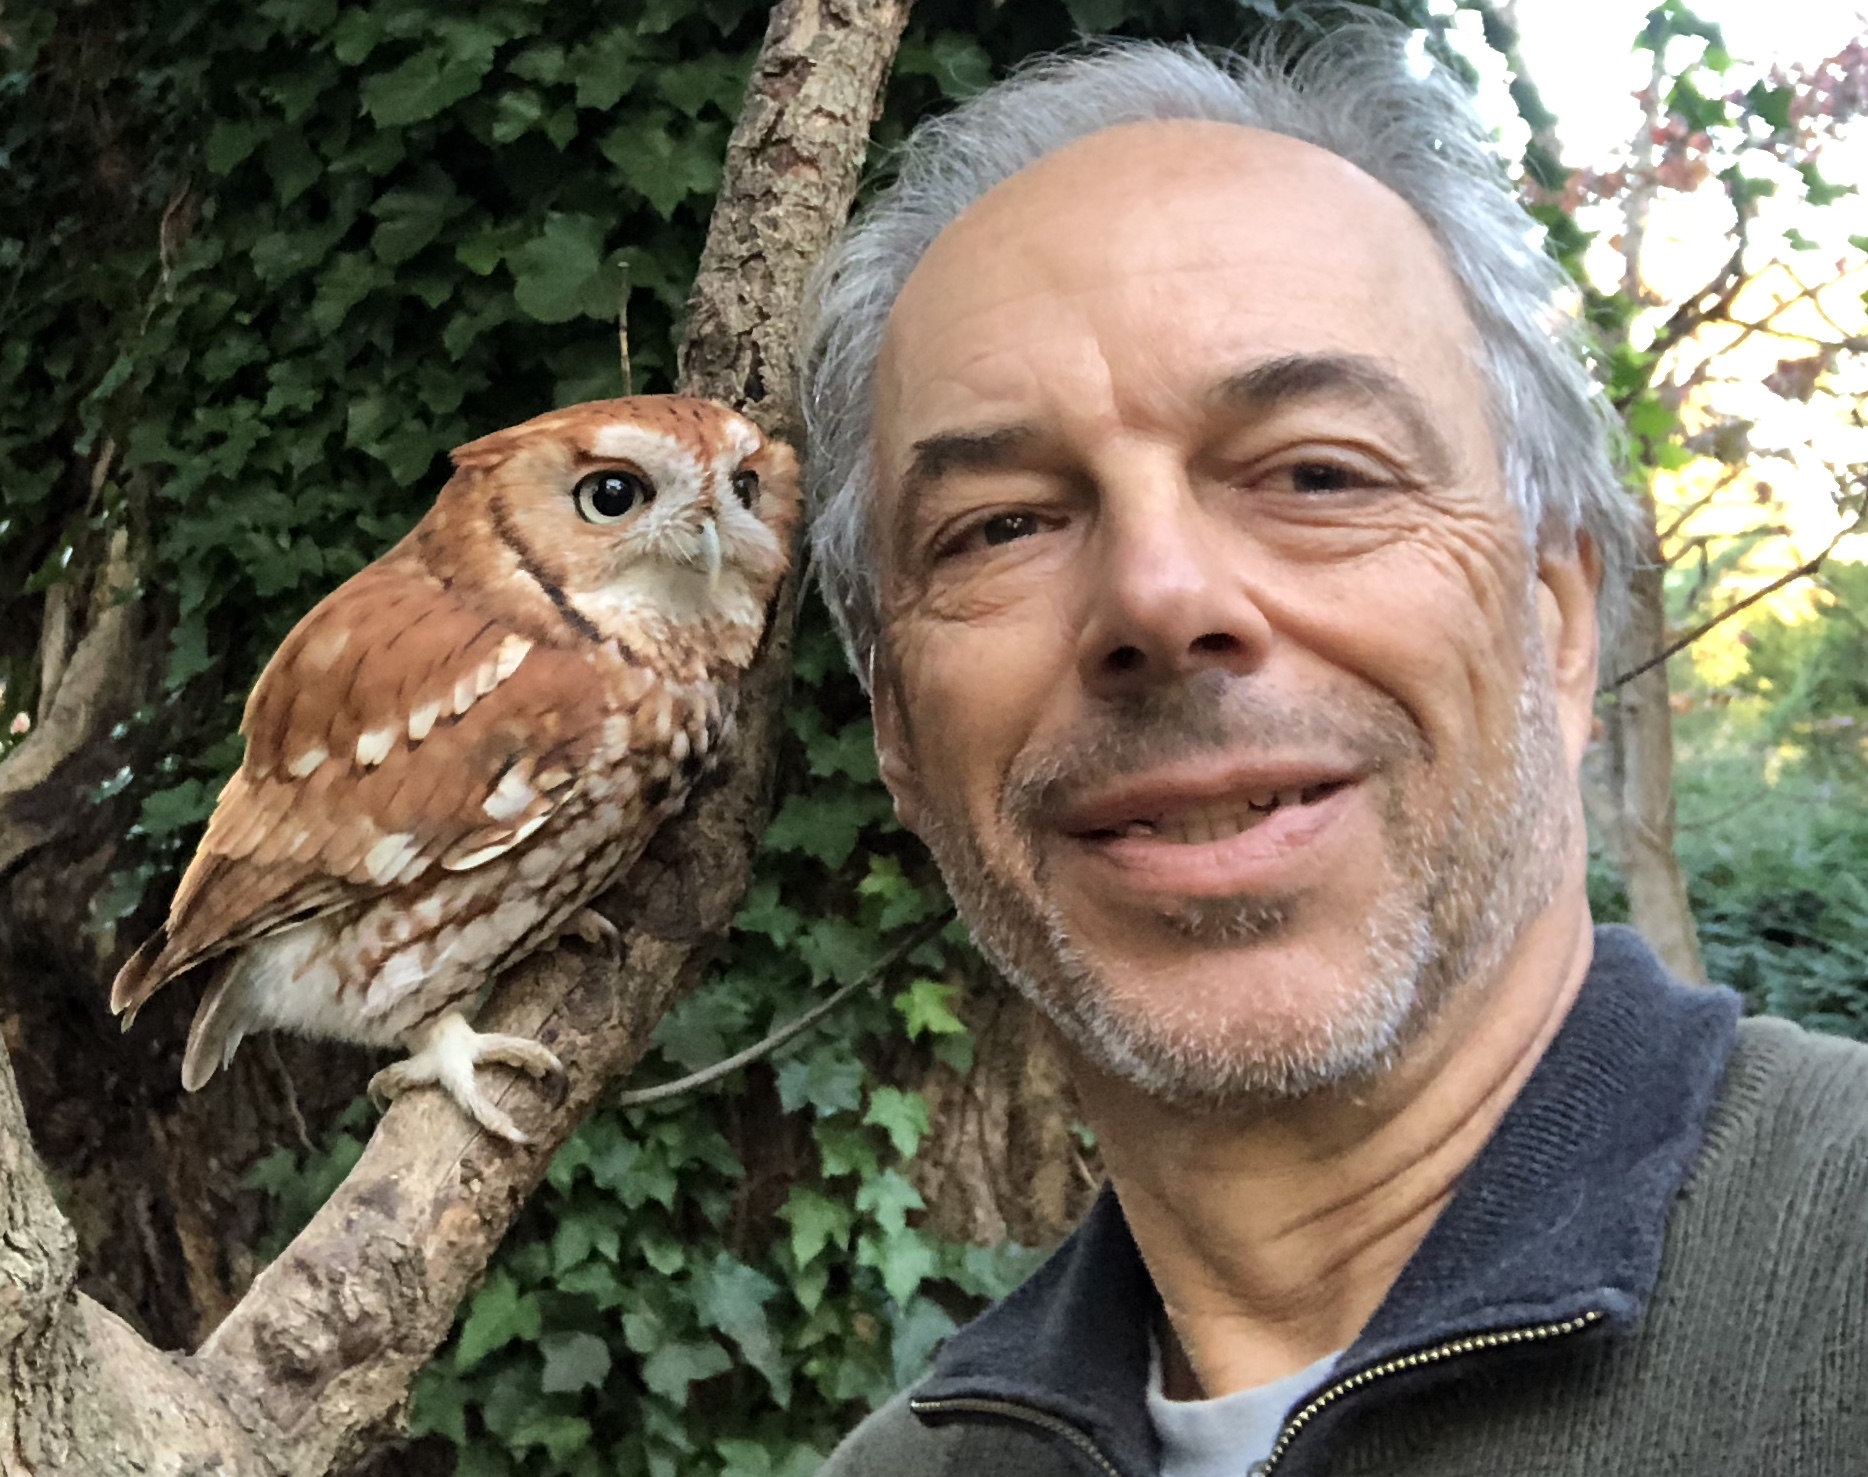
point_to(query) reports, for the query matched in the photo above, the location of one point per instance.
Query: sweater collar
(1562, 1212)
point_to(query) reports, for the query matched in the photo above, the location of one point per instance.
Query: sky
(1580, 55)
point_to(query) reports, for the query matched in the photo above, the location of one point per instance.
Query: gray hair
(1360, 92)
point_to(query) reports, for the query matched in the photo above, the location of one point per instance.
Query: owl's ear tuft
(487, 451)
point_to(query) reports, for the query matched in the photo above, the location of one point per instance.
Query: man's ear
(893, 751)
(1569, 582)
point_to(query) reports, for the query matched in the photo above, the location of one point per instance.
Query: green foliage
(1771, 782)
(1810, 677)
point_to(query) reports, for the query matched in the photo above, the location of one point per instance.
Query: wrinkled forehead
(1199, 239)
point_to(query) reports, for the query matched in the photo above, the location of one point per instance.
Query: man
(1219, 513)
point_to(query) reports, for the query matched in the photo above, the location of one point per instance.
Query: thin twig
(642, 1096)
(1679, 644)
(1726, 479)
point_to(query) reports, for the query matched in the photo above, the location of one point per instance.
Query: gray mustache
(1207, 715)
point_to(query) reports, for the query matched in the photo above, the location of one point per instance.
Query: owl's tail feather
(134, 983)
(219, 1026)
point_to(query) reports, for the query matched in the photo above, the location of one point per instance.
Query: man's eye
(1325, 477)
(1002, 528)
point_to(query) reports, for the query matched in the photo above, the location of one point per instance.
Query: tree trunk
(1639, 816)
(1633, 801)
(308, 1367)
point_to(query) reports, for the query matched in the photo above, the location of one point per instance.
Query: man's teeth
(1216, 822)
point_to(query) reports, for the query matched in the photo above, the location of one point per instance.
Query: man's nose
(1168, 596)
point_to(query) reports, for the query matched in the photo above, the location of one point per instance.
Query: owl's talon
(596, 930)
(530, 1057)
(449, 1054)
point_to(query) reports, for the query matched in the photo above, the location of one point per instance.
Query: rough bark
(1003, 1161)
(312, 1363)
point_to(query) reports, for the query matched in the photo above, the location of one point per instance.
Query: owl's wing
(398, 730)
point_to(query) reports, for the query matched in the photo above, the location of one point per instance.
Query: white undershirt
(1223, 1437)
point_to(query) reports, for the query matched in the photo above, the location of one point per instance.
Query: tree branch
(641, 1097)
(1680, 643)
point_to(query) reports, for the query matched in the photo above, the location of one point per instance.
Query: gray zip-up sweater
(1658, 1265)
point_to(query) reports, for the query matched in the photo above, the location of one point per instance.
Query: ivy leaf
(606, 68)
(824, 826)
(959, 65)
(756, 1459)
(438, 1405)
(888, 1198)
(903, 1116)
(665, 1253)
(843, 1148)
(424, 85)
(612, 1165)
(581, 1232)
(293, 164)
(595, 1280)
(229, 143)
(837, 949)
(662, 163)
(816, 1222)
(410, 217)
(516, 114)
(562, 1436)
(693, 1034)
(573, 1361)
(174, 809)
(905, 1260)
(543, 63)
(828, 1079)
(915, 1332)
(500, 1314)
(553, 270)
(691, 86)
(672, 1368)
(1096, 17)
(357, 33)
(926, 1008)
(763, 913)
(731, 1297)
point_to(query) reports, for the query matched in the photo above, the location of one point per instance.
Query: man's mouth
(1217, 820)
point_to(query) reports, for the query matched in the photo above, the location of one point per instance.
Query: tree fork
(318, 1356)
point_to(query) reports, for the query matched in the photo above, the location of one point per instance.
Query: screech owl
(463, 744)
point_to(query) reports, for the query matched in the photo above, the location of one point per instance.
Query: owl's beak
(710, 541)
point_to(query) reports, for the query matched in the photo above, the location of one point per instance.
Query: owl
(462, 745)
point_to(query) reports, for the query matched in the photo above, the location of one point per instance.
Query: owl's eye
(605, 497)
(746, 486)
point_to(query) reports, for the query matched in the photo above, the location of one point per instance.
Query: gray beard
(1466, 878)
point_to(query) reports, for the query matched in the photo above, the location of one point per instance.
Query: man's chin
(1251, 1016)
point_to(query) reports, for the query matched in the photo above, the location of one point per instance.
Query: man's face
(1216, 670)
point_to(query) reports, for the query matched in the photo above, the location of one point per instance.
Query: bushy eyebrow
(1266, 387)
(935, 457)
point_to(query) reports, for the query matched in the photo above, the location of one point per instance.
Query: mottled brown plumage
(459, 747)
